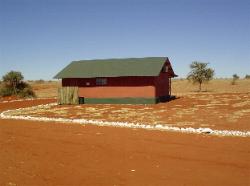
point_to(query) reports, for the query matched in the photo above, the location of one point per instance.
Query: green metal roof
(149, 66)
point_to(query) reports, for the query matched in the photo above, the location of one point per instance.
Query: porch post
(170, 91)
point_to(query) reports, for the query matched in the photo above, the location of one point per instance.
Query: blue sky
(40, 37)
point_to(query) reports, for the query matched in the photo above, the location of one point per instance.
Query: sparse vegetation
(200, 73)
(235, 78)
(247, 76)
(13, 84)
(40, 81)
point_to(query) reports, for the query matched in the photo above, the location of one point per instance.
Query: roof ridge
(115, 67)
(130, 58)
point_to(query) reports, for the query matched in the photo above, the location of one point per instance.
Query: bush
(23, 90)
(13, 84)
(27, 92)
(21, 86)
(6, 91)
(40, 81)
(247, 76)
(235, 78)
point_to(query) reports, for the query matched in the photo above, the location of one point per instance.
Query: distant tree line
(247, 76)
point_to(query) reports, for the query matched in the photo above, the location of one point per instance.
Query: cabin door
(81, 100)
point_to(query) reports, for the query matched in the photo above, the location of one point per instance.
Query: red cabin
(131, 80)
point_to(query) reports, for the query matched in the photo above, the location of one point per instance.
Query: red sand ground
(37, 153)
(8, 98)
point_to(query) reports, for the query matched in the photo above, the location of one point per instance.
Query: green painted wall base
(124, 100)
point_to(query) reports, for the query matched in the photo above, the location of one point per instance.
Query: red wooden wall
(111, 81)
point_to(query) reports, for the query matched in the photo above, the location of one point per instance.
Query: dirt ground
(45, 89)
(37, 153)
(182, 87)
(49, 153)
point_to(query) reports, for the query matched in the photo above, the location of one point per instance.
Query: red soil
(39, 153)
(8, 98)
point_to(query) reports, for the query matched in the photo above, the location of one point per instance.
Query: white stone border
(27, 99)
(162, 127)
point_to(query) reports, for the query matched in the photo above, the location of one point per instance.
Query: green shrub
(13, 84)
(21, 86)
(6, 91)
(40, 81)
(235, 78)
(247, 76)
(27, 92)
(24, 90)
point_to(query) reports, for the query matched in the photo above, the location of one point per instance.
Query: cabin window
(101, 81)
(164, 69)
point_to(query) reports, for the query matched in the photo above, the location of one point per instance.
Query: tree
(200, 73)
(13, 79)
(247, 76)
(13, 84)
(235, 78)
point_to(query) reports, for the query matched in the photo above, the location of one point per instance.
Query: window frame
(101, 81)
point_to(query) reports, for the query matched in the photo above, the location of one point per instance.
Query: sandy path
(37, 153)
